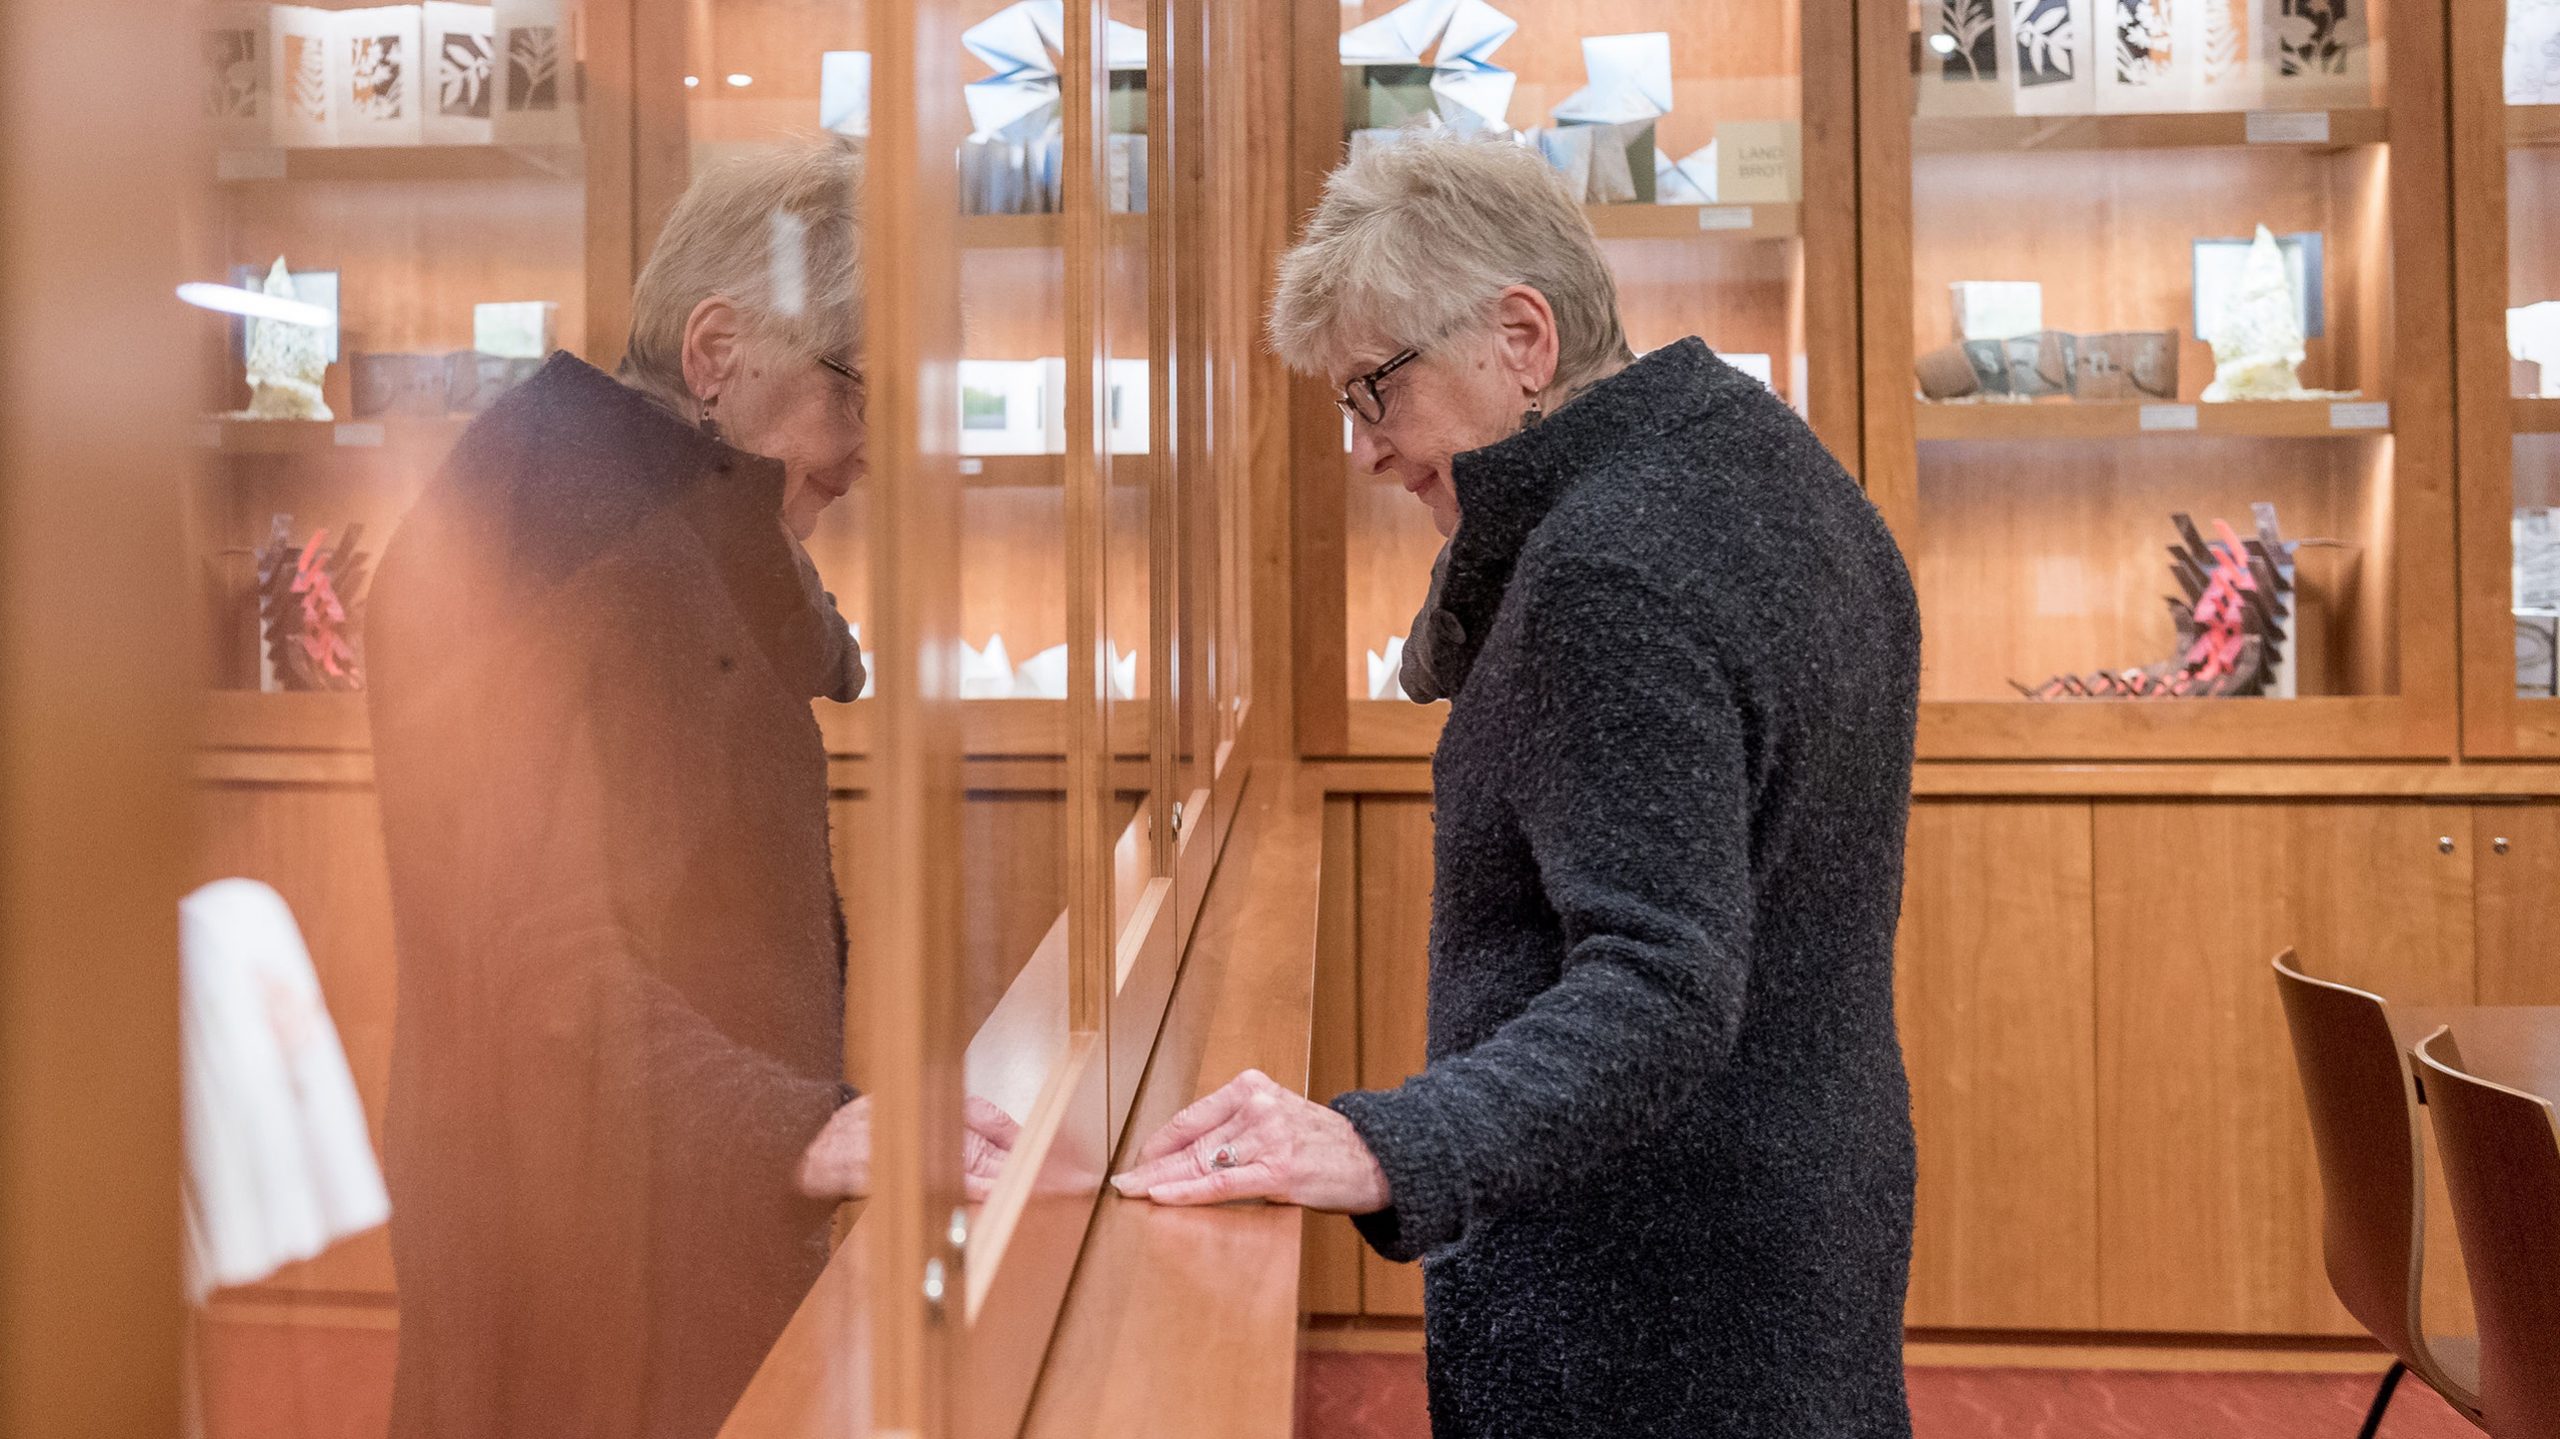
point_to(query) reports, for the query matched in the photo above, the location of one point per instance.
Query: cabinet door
(1395, 983)
(2209, 1193)
(2517, 858)
(1993, 982)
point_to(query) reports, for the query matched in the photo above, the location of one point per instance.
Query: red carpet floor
(1379, 1396)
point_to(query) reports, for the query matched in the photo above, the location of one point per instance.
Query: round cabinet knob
(2499, 844)
(2444, 845)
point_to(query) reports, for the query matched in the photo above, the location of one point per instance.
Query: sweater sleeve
(1635, 804)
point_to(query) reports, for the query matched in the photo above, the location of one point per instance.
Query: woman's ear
(711, 337)
(1525, 337)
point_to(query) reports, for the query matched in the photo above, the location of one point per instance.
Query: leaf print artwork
(231, 74)
(533, 68)
(2310, 37)
(2141, 43)
(462, 77)
(2048, 43)
(2226, 42)
(306, 60)
(376, 78)
(1973, 27)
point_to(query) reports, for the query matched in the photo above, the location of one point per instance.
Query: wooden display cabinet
(1777, 279)
(2037, 532)
(2506, 169)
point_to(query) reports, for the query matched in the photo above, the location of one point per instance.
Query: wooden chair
(2501, 1154)
(2363, 1100)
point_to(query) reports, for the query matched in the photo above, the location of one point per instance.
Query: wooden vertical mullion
(1890, 459)
(1318, 473)
(2494, 721)
(1830, 128)
(909, 1010)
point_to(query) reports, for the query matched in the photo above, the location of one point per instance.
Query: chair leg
(2382, 1400)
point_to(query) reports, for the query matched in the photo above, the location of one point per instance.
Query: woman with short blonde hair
(1659, 1166)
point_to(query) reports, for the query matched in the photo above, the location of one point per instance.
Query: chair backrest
(2501, 1153)
(2364, 1124)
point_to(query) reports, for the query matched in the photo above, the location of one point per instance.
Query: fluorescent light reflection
(256, 304)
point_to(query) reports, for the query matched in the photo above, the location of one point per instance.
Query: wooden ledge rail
(1183, 1322)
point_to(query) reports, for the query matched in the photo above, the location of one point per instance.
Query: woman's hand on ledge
(1276, 1144)
(837, 1164)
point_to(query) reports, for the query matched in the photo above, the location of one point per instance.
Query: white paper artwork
(1964, 57)
(2314, 53)
(2052, 57)
(1628, 91)
(1124, 674)
(300, 53)
(1690, 181)
(279, 1163)
(536, 74)
(378, 89)
(1043, 676)
(2138, 71)
(287, 362)
(517, 329)
(986, 674)
(461, 48)
(2213, 47)
(2536, 536)
(1005, 407)
(1469, 92)
(844, 92)
(2533, 334)
(2258, 332)
(1386, 671)
(231, 39)
(2533, 52)
(1996, 309)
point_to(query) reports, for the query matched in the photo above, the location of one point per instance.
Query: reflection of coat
(621, 958)
(1659, 1167)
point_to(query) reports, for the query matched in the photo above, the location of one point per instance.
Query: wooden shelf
(2531, 125)
(2111, 420)
(400, 162)
(318, 437)
(1038, 232)
(252, 719)
(1696, 222)
(2537, 417)
(1951, 134)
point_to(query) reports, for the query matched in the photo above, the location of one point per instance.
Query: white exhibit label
(2361, 415)
(1725, 217)
(360, 436)
(2288, 127)
(2168, 417)
(972, 465)
(264, 163)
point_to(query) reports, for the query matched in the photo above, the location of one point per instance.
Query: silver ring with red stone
(1225, 1158)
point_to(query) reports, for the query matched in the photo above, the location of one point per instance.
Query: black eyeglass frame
(1348, 402)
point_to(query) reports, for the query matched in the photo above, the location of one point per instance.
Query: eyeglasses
(841, 368)
(1360, 398)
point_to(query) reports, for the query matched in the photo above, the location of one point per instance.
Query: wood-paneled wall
(2111, 1132)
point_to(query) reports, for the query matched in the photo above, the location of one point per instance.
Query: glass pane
(1014, 570)
(2532, 83)
(2155, 455)
(1134, 382)
(1681, 124)
(520, 929)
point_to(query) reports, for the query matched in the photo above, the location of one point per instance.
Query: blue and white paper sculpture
(1012, 162)
(1469, 92)
(1629, 89)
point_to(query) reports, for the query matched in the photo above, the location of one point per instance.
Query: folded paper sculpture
(986, 674)
(2533, 339)
(2238, 617)
(286, 361)
(1386, 671)
(311, 610)
(1012, 162)
(2257, 334)
(1628, 92)
(1690, 181)
(2533, 52)
(1388, 83)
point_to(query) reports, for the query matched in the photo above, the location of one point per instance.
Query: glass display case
(1712, 144)
(2506, 167)
(2167, 315)
(1042, 559)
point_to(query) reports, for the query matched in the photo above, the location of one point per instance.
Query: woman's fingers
(1191, 1160)
(1219, 1186)
(1203, 1116)
(986, 1119)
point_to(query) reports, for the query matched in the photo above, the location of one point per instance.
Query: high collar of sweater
(573, 462)
(1507, 488)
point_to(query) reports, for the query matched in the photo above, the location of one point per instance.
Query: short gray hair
(774, 229)
(1415, 238)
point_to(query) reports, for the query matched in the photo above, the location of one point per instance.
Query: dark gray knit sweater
(1659, 1169)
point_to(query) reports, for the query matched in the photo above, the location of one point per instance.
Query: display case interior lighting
(692, 82)
(256, 305)
(740, 82)
(1943, 43)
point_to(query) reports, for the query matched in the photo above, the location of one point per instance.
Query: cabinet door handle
(2499, 844)
(2444, 844)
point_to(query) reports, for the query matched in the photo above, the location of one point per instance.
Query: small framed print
(2053, 57)
(1004, 407)
(536, 102)
(2138, 69)
(2315, 54)
(238, 81)
(303, 70)
(1966, 52)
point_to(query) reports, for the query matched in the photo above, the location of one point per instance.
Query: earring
(1530, 417)
(710, 424)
